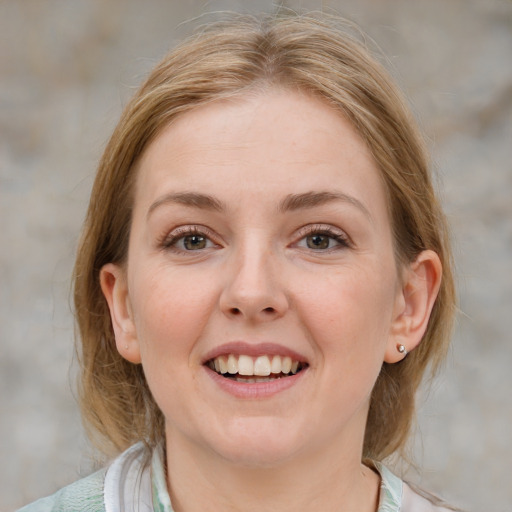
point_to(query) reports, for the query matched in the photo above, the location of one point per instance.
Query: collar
(390, 497)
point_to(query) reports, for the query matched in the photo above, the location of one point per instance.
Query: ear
(414, 302)
(115, 289)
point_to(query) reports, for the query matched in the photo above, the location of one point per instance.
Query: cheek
(347, 317)
(170, 310)
(349, 313)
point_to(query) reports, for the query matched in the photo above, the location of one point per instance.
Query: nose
(253, 289)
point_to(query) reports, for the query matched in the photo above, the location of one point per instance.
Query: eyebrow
(306, 200)
(193, 199)
(292, 202)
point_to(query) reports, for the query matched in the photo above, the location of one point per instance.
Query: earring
(402, 349)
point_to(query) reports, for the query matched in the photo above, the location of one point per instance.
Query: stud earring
(402, 349)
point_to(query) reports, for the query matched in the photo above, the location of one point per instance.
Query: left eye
(321, 241)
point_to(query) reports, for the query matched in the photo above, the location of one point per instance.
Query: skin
(257, 277)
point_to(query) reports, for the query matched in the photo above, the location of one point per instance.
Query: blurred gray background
(66, 69)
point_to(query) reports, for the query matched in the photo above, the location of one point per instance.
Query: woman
(262, 281)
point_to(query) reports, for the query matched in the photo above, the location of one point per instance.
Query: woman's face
(260, 291)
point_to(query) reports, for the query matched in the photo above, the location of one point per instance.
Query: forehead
(278, 140)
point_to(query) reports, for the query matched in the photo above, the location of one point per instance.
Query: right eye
(188, 240)
(193, 242)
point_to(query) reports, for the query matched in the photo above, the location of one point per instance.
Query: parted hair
(314, 54)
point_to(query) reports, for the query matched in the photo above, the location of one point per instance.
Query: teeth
(223, 365)
(276, 364)
(232, 364)
(245, 365)
(261, 366)
(286, 364)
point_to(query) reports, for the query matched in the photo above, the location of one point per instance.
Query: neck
(205, 481)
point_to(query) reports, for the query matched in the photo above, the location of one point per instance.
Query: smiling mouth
(248, 369)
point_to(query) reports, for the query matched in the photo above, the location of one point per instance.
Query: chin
(257, 444)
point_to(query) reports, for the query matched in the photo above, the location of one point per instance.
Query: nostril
(235, 311)
(269, 310)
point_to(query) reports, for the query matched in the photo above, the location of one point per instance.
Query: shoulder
(414, 502)
(397, 496)
(104, 490)
(85, 494)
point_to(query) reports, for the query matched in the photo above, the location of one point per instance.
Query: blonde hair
(228, 59)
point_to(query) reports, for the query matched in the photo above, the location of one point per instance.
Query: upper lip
(252, 349)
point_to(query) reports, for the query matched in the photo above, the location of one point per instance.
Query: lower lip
(255, 390)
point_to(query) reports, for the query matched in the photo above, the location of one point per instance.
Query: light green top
(130, 483)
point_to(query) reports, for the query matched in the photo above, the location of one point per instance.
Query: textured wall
(66, 69)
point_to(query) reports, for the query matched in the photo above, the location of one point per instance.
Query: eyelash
(169, 242)
(320, 229)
